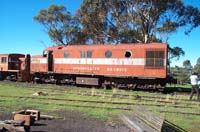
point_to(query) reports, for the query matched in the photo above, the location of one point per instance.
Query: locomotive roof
(12, 54)
(97, 46)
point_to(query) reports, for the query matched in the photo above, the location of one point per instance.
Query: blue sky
(19, 33)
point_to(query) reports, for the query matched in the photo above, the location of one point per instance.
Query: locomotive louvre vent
(128, 54)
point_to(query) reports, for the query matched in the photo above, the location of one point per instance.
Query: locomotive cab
(11, 62)
(10, 66)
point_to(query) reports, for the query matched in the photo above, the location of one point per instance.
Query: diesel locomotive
(114, 65)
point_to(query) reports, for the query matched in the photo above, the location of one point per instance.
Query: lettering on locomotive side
(38, 60)
(35, 60)
(86, 68)
(111, 69)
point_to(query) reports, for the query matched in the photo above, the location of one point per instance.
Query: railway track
(100, 104)
(98, 92)
(96, 99)
(61, 90)
(157, 103)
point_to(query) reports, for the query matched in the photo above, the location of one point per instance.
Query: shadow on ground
(170, 127)
(176, 89)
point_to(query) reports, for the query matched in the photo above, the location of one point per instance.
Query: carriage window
(66, 54)
(108, 54)
(128, 54)
(89, 54)
(155, 59)
(3, 59)
(82, 54)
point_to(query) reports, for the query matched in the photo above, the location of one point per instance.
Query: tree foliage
(175, 53)
(197, 66)
(118, 21)
(136, 20)
(61, 27)
(187, 64)
(198, 61)
(182, 73)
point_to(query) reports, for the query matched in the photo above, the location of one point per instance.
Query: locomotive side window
(3, 59)
(128, 54)
(89, 54)
(44, 53)
(155, 59)
(66, 54)
(86, 54)
(82, 54)
(108, 54)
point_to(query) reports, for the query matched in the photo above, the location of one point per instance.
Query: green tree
(136, 20)
(61, 27)
(187, 66)
(198, 61)
(118, 21)
(92, 16)
(197, 66)
(175, 53)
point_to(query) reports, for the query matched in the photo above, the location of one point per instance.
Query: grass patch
(16, 96)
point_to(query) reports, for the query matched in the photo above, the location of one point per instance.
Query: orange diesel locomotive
(121, 65)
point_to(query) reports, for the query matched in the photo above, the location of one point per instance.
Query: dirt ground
(70, 121)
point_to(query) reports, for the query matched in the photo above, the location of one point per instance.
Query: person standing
(194, 82)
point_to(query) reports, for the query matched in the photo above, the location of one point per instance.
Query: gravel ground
(70, 121)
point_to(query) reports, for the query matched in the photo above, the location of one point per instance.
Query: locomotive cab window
(108, 54)
(44, 53)
(3, 59)
(154, 59)
(128, 54)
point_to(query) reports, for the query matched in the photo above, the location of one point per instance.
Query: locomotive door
(50, 61)
(28, 63)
